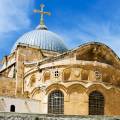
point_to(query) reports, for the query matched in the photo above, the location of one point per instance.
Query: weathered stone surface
(91, 67)
(19, 116)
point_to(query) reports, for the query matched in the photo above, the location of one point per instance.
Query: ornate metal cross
(42, 13)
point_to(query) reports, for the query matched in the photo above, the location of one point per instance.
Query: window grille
(96, 103)
(56, 73)
(56, 102)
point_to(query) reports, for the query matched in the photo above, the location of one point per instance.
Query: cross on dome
(42, 13)
(41, 37)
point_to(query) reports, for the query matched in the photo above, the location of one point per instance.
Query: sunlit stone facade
(36, 74)
(41, 72)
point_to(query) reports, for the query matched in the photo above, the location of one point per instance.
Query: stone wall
(18, 116)
(7, 86)
(21, 105)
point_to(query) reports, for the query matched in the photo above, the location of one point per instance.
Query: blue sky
(76, 21)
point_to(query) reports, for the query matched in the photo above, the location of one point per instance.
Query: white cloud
(14, 15)
(87, 31)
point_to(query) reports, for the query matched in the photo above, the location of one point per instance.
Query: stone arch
(31, 72)
(56, 86)
(95, 51)
(104, 90)
(77, 97)
(37, 93)
(34, 91)
(98, 87)
(76, 87)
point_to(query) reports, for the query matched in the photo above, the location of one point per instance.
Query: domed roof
(43, 39)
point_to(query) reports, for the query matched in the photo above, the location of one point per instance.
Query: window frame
(56, 105)
(96, 103)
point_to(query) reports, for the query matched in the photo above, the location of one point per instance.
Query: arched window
(96, 103)
(56, 102)
(12, 108)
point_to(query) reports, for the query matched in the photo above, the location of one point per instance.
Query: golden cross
(42, 13)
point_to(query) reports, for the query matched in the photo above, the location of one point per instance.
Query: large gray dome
(43, 39)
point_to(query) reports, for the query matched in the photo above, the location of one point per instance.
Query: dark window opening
(96, 103)
(12, 108)
(56, 73)
(56, 102)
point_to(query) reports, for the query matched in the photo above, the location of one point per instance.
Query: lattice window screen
(56, 102)
(96, 103)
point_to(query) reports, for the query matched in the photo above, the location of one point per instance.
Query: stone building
(42, 76)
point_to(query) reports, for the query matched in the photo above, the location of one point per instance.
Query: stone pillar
(20, 72)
